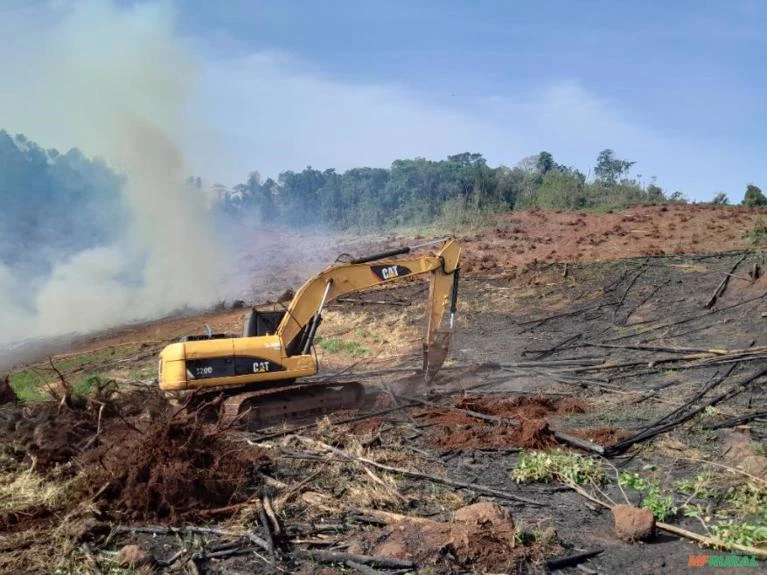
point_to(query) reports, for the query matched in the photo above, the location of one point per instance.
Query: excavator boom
(276, 349)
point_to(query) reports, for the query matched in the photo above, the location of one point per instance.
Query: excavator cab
(258, 323)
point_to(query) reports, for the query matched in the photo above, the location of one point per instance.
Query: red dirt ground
(515, 241)
(530, 237)
(456, 429)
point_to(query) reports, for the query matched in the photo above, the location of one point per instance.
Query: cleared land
(590, 368)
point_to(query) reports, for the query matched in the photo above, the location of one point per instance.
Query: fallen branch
(388, 370)
(578, 442)
(539, 322)
(650, 433)
(711, 541)
(726, 467)
(627, 290)
(561, 563)
(719, 291)
(158, 530)
(660, 348)
(711, 384)
(469, 412)
(275, 521)
(268, 530)
(417, 475)
(702, 539)
(688, 319)
(732, 422)
(584, 362)
(225, 510)
(337, 557)
(363, 568)
(173, 558)
(229, 552)
(543, 353)
(645, 300)
(580, 382)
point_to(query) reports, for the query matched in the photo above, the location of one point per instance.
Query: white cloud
(273, 112)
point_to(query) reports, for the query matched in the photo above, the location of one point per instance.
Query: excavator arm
(299, 325)
(284, 353)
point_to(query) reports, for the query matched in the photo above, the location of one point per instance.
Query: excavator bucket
(434, 354)
(443, 289)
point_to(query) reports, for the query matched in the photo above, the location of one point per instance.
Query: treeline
(58, 204)
(456, 191)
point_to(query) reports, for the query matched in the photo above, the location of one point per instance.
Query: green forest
(56, 203)
(456, 190)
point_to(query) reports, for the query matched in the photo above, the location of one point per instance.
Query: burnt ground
(595, 350)
(605, 312)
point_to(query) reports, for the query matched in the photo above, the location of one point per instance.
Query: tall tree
(754, 196)
(609, 169)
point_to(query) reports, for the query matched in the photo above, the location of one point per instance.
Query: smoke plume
(113, 81)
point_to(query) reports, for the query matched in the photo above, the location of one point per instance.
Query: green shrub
(754, 197)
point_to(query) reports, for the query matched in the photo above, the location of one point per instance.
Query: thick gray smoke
(113, 81)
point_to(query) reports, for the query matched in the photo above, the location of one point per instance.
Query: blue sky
(676, 86)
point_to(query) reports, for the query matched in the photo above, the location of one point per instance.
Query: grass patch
(757, 235)
(92, 385)
(31, 383)
(731, 512)
(741, 533)
(28, 490)
(558, 465)
(335, 345)
(662, 506)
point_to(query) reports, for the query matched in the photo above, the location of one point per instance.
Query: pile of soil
(459, 430)
(140, 458)
(480, 537)
(45, 435)
(172, 471)
(604, 436)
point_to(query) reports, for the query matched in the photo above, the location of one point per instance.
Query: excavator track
(254, 410)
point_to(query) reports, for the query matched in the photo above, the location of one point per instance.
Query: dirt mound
(522, 407)
(601, 435)
(633, 523)
(46, 434)
(141, 460)
(172, 470)
(481, 536)
(457, 429)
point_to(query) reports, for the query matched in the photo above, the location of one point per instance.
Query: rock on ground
(633, 523)
(132, 556)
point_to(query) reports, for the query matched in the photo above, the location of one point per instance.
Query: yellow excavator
(256, 374)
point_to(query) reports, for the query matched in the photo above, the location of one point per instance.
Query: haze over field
(506, 106)
(115, 81)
